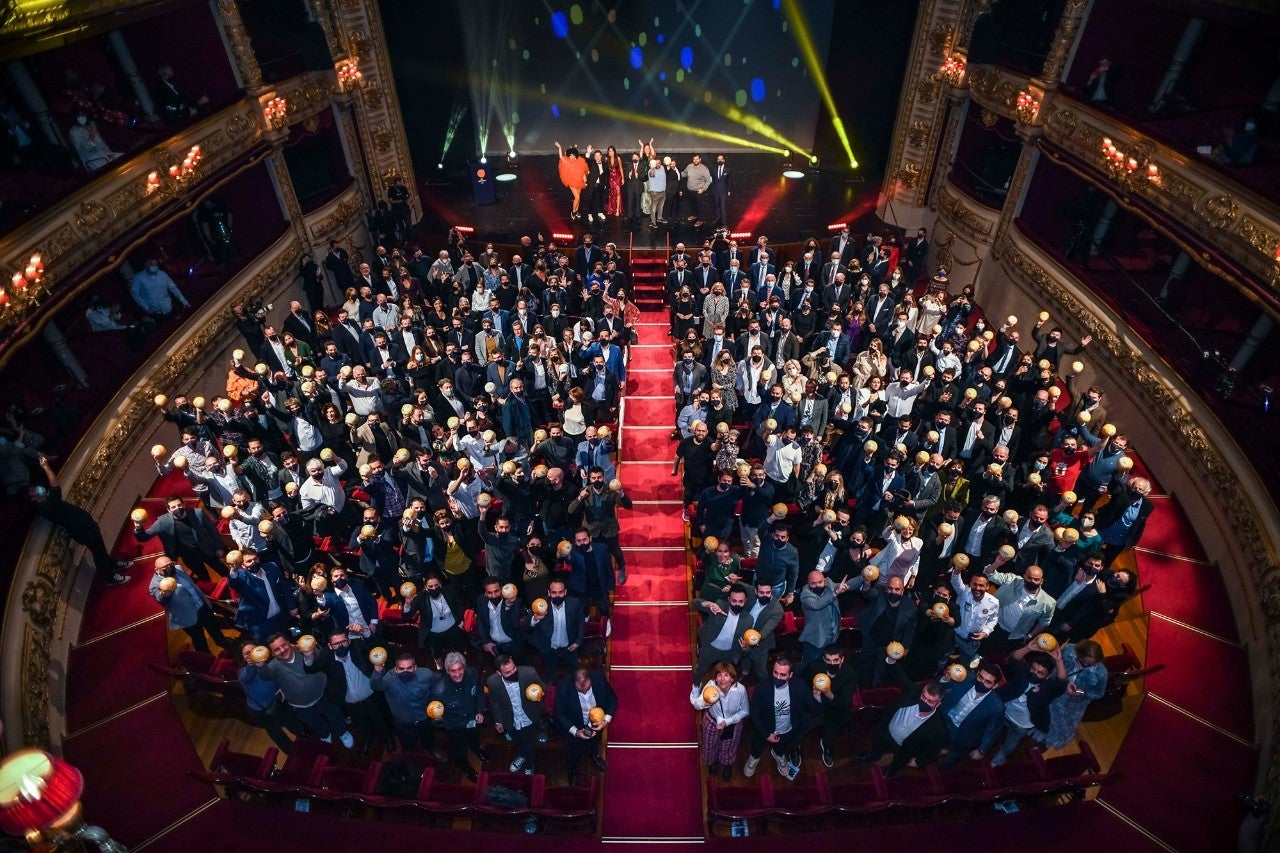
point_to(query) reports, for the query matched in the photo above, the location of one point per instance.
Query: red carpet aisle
(652, 791)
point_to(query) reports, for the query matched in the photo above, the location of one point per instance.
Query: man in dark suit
(885, 619)
(914, 730)
(842, 246)
(338, 263)
(780, 711)
(583, 692)
(300, 325)
(260, 613)
(440, 618)
(346, 667)
(880, 309)
(722, 188)
(557, 634)
(982, 531)
(720, 636)
(917, 256)
(835, 342)
(766, 614)
(587, 256)
(591, 573)
(1124, 518)
(498, 621)
(969, 708)
(514, 712)
(188, 535)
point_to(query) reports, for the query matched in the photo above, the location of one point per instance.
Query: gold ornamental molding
(1244, 512)
(1236, 221)
(308, 94)
(335, 218)
(996, 90)
(965, 215)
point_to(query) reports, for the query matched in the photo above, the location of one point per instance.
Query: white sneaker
(749, 769)
(516, 765)
(781, 761)
(591, 217)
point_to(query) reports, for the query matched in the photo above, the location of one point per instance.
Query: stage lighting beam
(804, 40)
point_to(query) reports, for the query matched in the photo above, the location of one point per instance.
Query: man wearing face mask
(557, 634)
(969, 708)
(765, 610)
(821, 615)
(933, 637)
(498, 621)
(914, 730)
(779, 564)
(266, 603)
(154, 291)
(514, 713)
(975, 614)
(1025, 608)
(408, 690)
(1035, 679)
(591, 573)
(887, 618)
(716, 506)
(304, 691)
(598, 504)
(757, 499)
(780, 715)
(720, 636)
(189, 535)
(835, 702)
(440, 619)
(184, 603)
(351, 605)
(345, 664)
(1122, 521)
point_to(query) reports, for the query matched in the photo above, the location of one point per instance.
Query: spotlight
(439, 165)
(508, 172)
(812, 166)
(484, 159)
(789, 169)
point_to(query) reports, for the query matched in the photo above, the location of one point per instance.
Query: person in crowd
(185, 605)
(585, 705)
(723, 701)
(303, 691)
(515, 710)
(780, 712)
(77, 522)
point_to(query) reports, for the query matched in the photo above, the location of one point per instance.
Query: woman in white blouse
(723, 721)
(715, 310)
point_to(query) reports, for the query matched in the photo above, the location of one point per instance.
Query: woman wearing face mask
(1083, 669)
(690, 340)
(930, 313)
(870, 362)
(793, 379)
(90, 147)
(724, 377)
(724, 718)
(715, 310)
(1090, 539)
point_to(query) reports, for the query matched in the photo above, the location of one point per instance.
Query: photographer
(249, 320)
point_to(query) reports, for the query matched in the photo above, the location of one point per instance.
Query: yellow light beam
(732, 112)
(804, 39)
(641, 118)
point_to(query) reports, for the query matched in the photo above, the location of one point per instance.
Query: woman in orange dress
(573, 174)
(613, 162)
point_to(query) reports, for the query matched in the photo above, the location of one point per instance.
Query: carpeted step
(647, 444)
(111, 674)
(665, 697)
(121, 605)
(1188, 592)
(1171, 531)
(652, 585)
(649, 384)
(650, 410)
(649, 529)
(653, 793)
(651, 635)
(1199, 673)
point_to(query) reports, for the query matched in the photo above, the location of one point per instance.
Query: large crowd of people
(418, 497)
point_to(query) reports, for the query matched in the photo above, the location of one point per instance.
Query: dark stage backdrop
(607, 73)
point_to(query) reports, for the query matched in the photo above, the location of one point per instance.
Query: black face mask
(340, 583)
(342, 651)
(893, 597)
(924, 707)
(735, 609)
(980, 687)
(557, 599)
(763, 600)
(513, 679)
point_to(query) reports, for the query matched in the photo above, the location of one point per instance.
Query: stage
(762, 202)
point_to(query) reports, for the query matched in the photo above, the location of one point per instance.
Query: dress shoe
(726, 772)
(482, 755)
(471, 774)
(598, 761)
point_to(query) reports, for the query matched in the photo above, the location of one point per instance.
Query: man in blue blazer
(591, 576)
(185, 604)
(266, 602)
(969, 708)
(580, 692)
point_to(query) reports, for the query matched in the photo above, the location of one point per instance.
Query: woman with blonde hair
(793, 379)
(352, 303)
(724, 718)
(870, 362)
(574, 418)
(715, 310)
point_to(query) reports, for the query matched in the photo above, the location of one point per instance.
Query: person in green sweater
(722, 572)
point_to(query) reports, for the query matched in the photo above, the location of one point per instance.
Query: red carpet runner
(652, 789)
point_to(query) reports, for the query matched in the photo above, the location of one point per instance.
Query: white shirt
(780, 461)
(782, 709)
(900, 401)
(724, 640)
(965, 706)
(905, 722)
(1016, 711)
(973, 544)
(559, 629)
(441, 616)
(496, 633)
(358, 686)
(975, 616)
(898, 558)
(354, 614)
(327, 491)
(518, 717)
(273, 606)
(1072, 591)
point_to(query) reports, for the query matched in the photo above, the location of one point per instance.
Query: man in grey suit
(1025, 607)
(765, 613)
(188, 535)
(821, 615)
(811, 410)
(720, 637)
(186, 605)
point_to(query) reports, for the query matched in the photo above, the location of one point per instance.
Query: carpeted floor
(1189, 592)
(107, 676)
(1202, 675)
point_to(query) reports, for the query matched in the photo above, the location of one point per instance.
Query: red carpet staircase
(652, 791)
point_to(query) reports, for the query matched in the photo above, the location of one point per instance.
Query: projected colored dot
(582, 111)
(543, 88)
(679, 75)
(697, 30)
(665, 91)
(740, 97)
(511, 44)
(595, 55)
(777, 4)
(656, 22)
(795, 62)
(577, 54)
(686, 57)
(559, 24)
(637, 57)
(728, 59)
(662, 75)
(626, 83)
(642, 39)
(524, 55)
(575, 14)
(515, 118)
(784, 26)
(555, 110)
(706, 97)
(661, 38)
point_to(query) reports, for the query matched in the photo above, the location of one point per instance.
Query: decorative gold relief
(1063, 38)
(988, 118)
(940, 38)
(1219, 210)
(928, 89)
(340, 216)
(995, 89)
(241, 45)
(90, 217)
(946, 254)
(917, 133)
(381, 139)
(957, 213)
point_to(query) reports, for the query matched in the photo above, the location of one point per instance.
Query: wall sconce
(952, 71)
(1125, 168)
(21, 284)
(275, 111)
(40, 803)
(1026, 108)
(349, 76)
(178, 175)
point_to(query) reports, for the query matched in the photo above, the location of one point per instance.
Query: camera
(257, 310)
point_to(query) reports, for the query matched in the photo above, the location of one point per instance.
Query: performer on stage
(614, 163)
(573, 174)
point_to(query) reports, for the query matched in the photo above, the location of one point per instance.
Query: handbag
(727, 732)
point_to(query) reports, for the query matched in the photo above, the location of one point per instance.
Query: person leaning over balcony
(78, 524)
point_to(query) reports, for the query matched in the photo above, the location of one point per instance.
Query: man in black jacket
(913, 730)
(1033, 680)
(580, 694)
(780, 716)
(834, 702)
(346, 667)
(498, 621)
